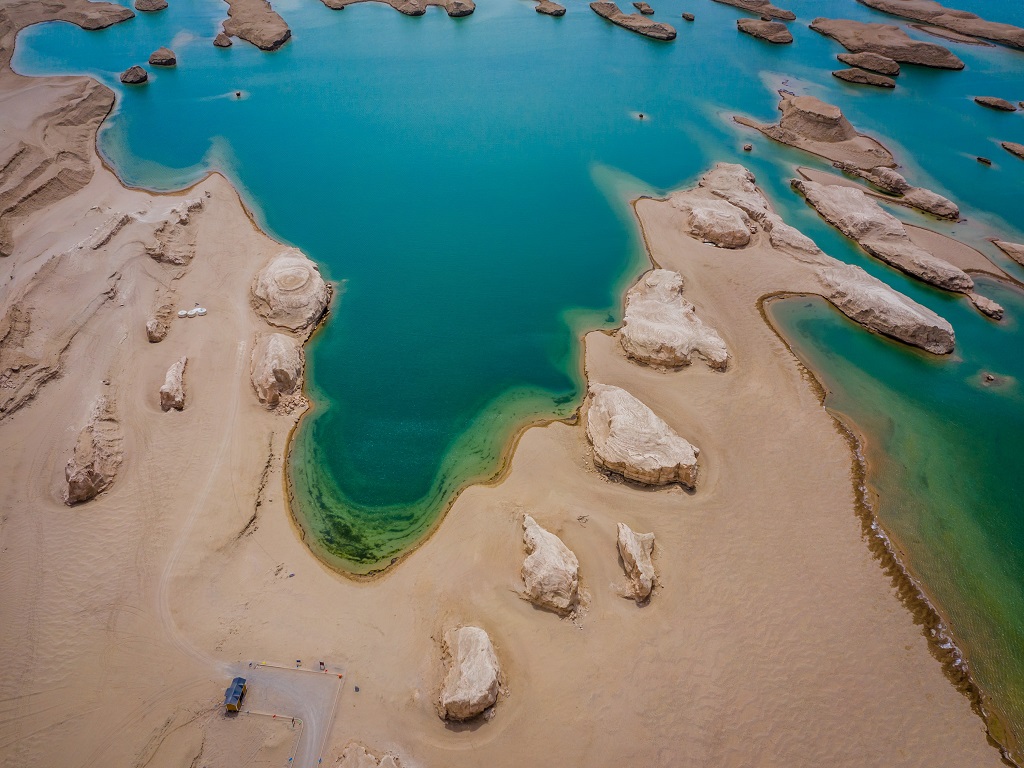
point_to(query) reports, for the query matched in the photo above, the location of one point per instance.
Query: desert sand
(778, 633)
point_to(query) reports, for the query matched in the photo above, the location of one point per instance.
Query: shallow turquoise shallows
(465, 184)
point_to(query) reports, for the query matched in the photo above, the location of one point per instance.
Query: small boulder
(472, 681)
(156, 330)
(172, 393)
(549, 8)
(644, 8)
(631, 440)
(276, 369)
(222, 40)
(994, 102)
(688, 17)
(97, 455)
(163, 57)
(150, 6)
(863, 77)
(636, 549)
(289, 292)
(135, 75)
(550, 571)
(873, 62)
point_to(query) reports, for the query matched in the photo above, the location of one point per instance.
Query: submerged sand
(773, 638)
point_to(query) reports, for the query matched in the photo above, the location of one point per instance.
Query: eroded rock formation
(631, 440)
(636, 549)
(661, 328)
(356, 755)
(97, 455)
(172, 393)
(174, 240)
(1014, 148)
(472, 680)
(762, 8)
(163, 57)
(276, 368)
(863, 77)
(256, 22)
(887, 40)
(150, 6)
(289, 292)
(634, 22)
(1014, 250)
(994, 102)
(134, 75)
(963, 22)
(872, 62)
(549, 8)
(711, 220)
(771, 31)
(550, 571)
(894, 183)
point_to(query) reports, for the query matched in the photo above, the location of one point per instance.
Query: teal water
(465, 183)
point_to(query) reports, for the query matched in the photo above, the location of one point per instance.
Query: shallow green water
(465, 184)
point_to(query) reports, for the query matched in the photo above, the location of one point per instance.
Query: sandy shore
(773, 638)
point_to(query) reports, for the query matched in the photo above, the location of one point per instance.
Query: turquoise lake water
(465, 183)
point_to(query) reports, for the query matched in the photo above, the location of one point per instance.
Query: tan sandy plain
(773, 639)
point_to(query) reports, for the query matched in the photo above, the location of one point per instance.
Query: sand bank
(773, 636)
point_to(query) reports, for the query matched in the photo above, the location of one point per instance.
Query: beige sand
(775, 637)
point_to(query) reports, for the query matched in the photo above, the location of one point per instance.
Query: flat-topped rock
(863, 77)
(549, 8)
(256, 22)
(763, 8)
(289, 292)
(636, 549)
(887, 40)
(873, 62)
(472, 680)
(150, 6)
(880, 233)
(1014, 250)
(712, 220)
(962, 22)
(821, 128)
(634, 22)
(875, 305)
(661, 328)
(97, 455)
(134, 75)
(1013, 148)
(551, 571)
(771, 31)
(994, 102)
(276, 367)
(631, 440)
(163, 57)
(172, 393)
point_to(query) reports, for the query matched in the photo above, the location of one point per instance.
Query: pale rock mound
(769, 31)
(97, 456)
(986, 306)
(894, 183)
(156, 330)
(712, 220)
(636, 549)
(994, 102)
(634, 22)
(963, 22)
(870, 302)
(163, 57)
(662, 328)
(1014, 148)
(863, 77)
(881, 234)
(277, 363)
(630, 439)
(289, 292)
(762, 8)
(814, 126)
(886, 40)
(550, 571)
(356, 755)
(172, 393)
(472, 681)
(134, 75)
(1014, 250)
(872, 62)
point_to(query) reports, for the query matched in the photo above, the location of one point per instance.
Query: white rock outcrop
(551, 572)
(97, 456)
(662, 328)
(881, 234)
(172, 393)
(276, 369)
(873, 304)
(289, 292)
(895, 183)
(1014, 250)
(636, 549)
(473, 678)
(630, 439)
(712, 220)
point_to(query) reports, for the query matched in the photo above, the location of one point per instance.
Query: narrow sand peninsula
(634, 22)
(774, 637)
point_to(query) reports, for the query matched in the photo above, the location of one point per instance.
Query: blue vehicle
(234, 694)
